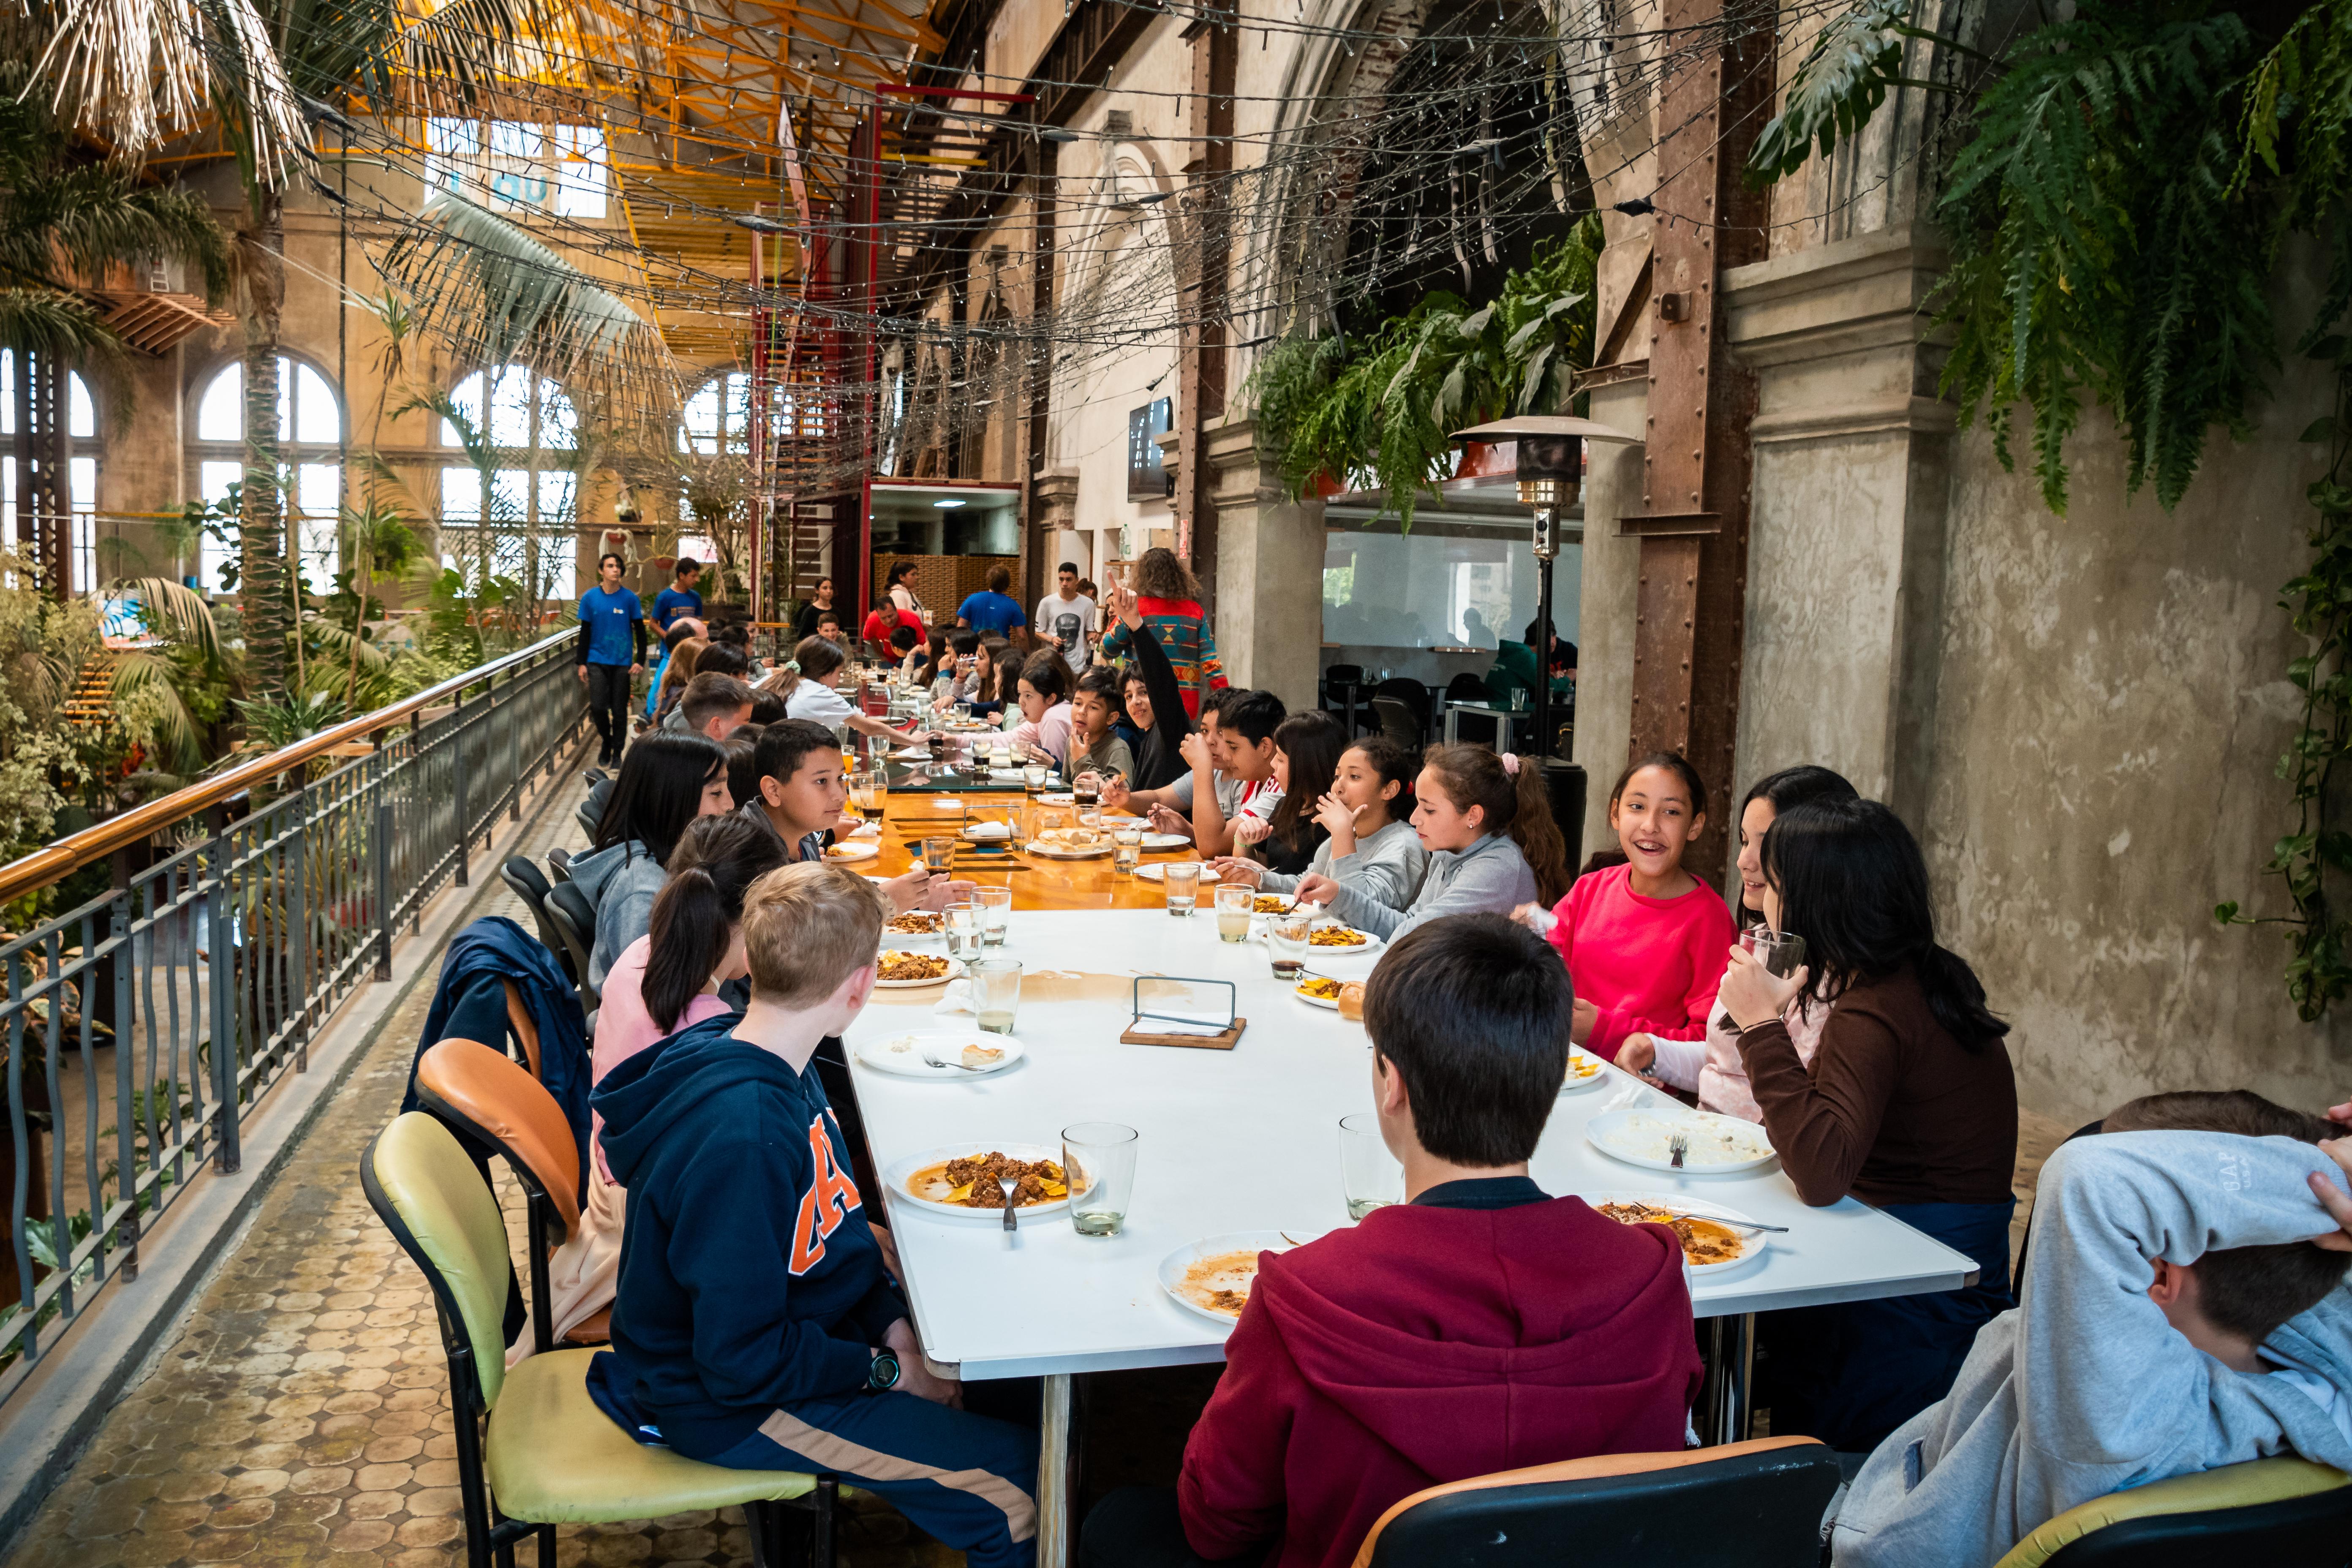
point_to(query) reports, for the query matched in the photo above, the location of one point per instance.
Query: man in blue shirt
(991, 613)
(679, 598)
(611, 649)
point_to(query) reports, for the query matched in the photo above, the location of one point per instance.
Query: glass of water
(1183, 886)
(1033, 776)
(1126, 850)
(995, 993)
(1370, 1176)
(995, 913)
(1098, 1157)
(939, 854)
(963, 924)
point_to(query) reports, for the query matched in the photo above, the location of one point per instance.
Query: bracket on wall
(1669, 524)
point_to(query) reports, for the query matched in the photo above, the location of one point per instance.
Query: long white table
(1243, 1140)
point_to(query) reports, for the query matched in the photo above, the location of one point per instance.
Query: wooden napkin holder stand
(1138, 1034)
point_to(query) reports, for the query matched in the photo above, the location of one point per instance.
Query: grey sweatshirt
(621, 882)
(1387, 867)
(1491, 876)
(2084, 1389)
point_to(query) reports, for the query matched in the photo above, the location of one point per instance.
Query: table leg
(1453, 724)
(1731, 1363)
(1054, 1474)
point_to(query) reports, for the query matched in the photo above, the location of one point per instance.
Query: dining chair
(2281, 1512)
(534, 1450)
(531, 887)
(1343, 694)
(574, 919)
(494, 1104)
(1744, 1505)
(559, 864)
(1398, 723)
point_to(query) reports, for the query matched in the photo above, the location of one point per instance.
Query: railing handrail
(68, 855)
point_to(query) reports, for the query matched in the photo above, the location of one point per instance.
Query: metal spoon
(1011, 1185)
(1677, 1146)
(958, 1065)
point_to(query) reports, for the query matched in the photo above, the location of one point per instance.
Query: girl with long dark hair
(1711, 1068)
(1909, 1104)
(1307, 748)
(667, 780)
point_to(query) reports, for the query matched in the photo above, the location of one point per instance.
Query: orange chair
(492, 1102)
(1745, 1505)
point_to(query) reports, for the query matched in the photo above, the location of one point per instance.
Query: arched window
(81, 431)
(310, 443)
(524, 440)
(718, 416)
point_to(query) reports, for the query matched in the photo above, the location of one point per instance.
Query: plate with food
(959, 1181)
(1718, 1146)
(1584, 1070)
(1709, 1249)
(851, 851)
(1214, 1275)
(898, 970)
(1272, 904)
(1319, 991)
(940, 1056)
(915, 925)
(1334, 937)
(1070, 844)
(1157, 871)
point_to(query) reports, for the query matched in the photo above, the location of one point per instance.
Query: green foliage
(1838, 86)
(1379, 415)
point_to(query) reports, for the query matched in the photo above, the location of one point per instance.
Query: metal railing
(142, 1027)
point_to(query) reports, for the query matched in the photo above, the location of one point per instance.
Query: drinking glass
(995, 993)
(1126, 851)
(878, 790)
(1000, 757)
(1087, 788)
(1370, 1176)
(995, 914)
(1778, 952)
(963, 710)
(861, 793)
(1286, 940)
(939, 854)
(1099, 1157)
(1183, 886)
(1032, 775)
(963, 926)
(1234, 902)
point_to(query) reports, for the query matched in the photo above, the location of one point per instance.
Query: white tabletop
(1239, 1140)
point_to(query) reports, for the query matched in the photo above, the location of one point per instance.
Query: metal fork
(959, 1066)
(1677, 1146)
(1010, 1184)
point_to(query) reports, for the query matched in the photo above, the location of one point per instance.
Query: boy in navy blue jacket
(755, 1326)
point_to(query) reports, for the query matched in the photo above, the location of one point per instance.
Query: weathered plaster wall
(1611, 566)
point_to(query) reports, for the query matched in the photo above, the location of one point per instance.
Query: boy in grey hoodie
(2140, 1349)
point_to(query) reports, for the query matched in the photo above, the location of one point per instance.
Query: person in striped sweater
(1169, 599)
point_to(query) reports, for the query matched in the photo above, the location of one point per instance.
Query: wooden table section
(1037, 883)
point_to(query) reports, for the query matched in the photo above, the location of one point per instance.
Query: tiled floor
(302, 1417)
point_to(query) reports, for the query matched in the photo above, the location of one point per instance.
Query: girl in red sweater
(1645, 942)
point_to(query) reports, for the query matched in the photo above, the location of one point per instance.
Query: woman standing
(1909, 1104)
(901, 592)
(1167, 599)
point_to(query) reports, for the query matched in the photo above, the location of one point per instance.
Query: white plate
(896, 938)
(1177, 1264)
(1575, 1085)
(904, 1055)
(910, 754)
(1166, 841)
(896, 1175)
(845, 854)
(955, 970)
(1011, 775)
(1369, 944)
(1157, 871)
(1066, 852)
(1755, 1242)
(1632, 1135)
(1064, 798)
(1330, 1006)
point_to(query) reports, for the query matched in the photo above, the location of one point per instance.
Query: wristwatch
(884, 1373)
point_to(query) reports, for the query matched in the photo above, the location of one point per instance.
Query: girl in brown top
(1909, 1104)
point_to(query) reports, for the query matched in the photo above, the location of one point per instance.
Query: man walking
(611, 649)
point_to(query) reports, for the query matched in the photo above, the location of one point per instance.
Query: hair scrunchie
(1510, 762)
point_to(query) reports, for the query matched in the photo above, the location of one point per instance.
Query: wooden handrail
(47, 864)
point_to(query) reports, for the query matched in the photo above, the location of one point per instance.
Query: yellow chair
(533, 1449)
(2280, 1513)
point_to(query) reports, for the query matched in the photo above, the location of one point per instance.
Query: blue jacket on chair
(469, 1003)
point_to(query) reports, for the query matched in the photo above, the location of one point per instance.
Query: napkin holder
(1169, 1011)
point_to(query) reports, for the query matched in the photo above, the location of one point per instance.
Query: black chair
(591, 811)
(1745, 1505)
(560, 862)
(1466, 687)
(1398, 723)
(1415, 697)
(574, 919)
(1343, 694)
(2282, 1512)
(532, 889)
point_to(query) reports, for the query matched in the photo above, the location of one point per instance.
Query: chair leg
(759, 1523)
(821, 1546)
(547, 1546)
(543, 1310)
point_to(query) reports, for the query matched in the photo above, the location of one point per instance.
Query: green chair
(533, 1449)
(2282, 1513)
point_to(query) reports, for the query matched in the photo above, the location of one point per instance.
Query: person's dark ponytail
(696, 913)
(690, 934)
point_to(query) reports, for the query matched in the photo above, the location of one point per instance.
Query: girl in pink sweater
(1645, 943)
(1713, 1068)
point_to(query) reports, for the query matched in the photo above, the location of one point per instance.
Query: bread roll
(1351, 1000)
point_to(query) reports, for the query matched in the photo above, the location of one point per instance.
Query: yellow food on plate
(1221, 1284)
(981, 1056)
(914, 923)
(1336, 936)
(1703, 1240)
(1582, 1066)
(1269, 904)
(1320, 987)
(970, 1181)
(845, 851)
(895, 964)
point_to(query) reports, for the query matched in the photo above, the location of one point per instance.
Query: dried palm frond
(38, 321)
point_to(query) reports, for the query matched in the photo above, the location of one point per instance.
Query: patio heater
(1551, 480)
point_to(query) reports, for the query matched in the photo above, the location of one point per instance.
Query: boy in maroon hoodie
(1478, 1326)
